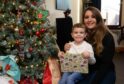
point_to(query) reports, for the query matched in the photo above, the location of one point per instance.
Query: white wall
(74, 6)
(122, 20)
(76, 9)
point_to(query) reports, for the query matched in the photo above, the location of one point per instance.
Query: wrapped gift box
(74, 63)
(7, 80)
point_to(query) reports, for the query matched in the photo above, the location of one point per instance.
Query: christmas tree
(25, 32)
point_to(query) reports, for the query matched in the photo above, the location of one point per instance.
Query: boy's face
(78, 34)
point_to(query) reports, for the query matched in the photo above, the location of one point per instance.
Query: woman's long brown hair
(96, 35)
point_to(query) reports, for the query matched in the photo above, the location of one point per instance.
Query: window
(62, 4)
(110, 10)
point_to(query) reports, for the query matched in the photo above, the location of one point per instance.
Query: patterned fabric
(7, 80)
(74, 63)
(52, 72)
(47, 79)
(54, 67)
(10, 67)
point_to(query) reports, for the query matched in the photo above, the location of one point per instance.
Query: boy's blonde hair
(79, 25)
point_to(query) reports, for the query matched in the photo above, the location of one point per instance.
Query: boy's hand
(86, 55)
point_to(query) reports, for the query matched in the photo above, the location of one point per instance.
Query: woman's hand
(86, 55)
(67, 46)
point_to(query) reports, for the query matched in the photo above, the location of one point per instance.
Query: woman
(103, 71)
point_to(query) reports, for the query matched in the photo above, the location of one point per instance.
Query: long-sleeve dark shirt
(104, 62)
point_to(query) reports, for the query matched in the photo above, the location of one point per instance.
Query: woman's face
(89, 20)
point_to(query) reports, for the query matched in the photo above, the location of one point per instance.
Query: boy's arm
(91, 59)
(90, 56)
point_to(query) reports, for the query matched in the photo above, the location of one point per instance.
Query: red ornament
(7, 67)
(30, 49)
(42, 30)
(39, 15)
(21, 32)
(11, 82)
(28, 81)
(34, 3)
(37, 33)
(17, 42)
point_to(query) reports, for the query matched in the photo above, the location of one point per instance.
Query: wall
(75, 6)
(122, 19)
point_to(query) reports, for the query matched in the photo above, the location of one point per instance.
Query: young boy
(81, 53)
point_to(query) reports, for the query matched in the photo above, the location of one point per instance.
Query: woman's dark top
(104, 62)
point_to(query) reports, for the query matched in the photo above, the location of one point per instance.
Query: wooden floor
(119, 65)
(120, 49)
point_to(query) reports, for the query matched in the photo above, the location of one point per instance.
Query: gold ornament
(26, 67)
(32, 66)
(11, 26)
(16, 29)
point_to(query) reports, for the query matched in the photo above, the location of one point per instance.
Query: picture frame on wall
(62, 4)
